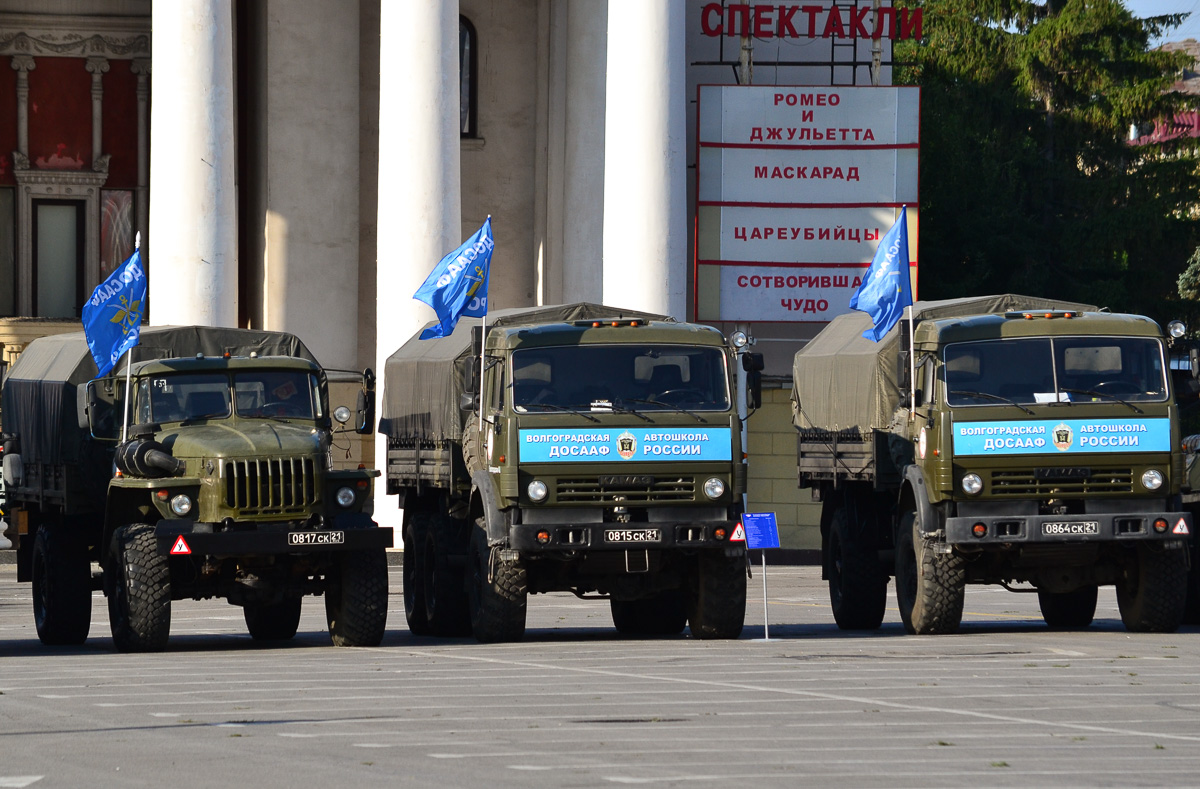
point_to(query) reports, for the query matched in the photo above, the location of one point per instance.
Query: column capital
(141, 66)
(96, 65)
(23, 63)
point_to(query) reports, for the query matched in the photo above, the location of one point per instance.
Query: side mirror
(903, 379)
(97, 411)
(469, 401)
(754, 389)
(364, 423)
(753, 362)
(83, 394)
(1194, 360)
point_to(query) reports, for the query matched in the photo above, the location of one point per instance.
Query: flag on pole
(458, 284)
(112, 317)
(886, 289)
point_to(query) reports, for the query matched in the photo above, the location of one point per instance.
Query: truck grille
(1025, 483)
(274, 486)
(594, 490)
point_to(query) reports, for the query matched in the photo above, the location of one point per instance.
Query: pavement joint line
(836, 697)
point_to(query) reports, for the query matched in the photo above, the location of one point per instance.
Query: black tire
(857, 584)
(497, 607)
(1069, 610)
(716, 602)
(1152, 594)
(470, 449)
(930, 587)
(663, 614)
(415, 525)
(356, 598)
(62, 587)
(445, 588)
(138, 581)
(276, 621)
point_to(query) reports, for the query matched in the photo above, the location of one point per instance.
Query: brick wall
(772, 482)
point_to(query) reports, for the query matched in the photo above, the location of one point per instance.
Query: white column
(97, 67)
(193, 198)
(141, 67)
(420, 205)
(583, 165)
(645, 212)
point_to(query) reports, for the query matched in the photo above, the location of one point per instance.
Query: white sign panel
(810, 176)
(788, 294)
(786, 235)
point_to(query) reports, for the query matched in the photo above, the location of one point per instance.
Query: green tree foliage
(1028, 183)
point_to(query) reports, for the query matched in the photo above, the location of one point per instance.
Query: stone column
(645, 196)
(420, 207)
(23, 64)
(193, 198)
(97, 67)
(141, 67)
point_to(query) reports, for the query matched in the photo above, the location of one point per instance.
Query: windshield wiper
(680, 409)
(608, 405)
(570, 409)
(1094, 393)
(989, 396)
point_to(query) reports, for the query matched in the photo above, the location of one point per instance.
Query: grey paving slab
(1003, 703)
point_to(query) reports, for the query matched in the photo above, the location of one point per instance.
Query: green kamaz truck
(212, 478)
(602, 456)
(1017, 441)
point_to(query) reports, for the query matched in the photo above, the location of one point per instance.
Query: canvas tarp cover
(422, 380)
(40, 388)
(843, 381)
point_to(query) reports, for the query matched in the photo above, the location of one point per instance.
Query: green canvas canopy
(844, 381)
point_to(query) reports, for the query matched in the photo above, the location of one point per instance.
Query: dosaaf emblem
(626, 445)
(1063, 437)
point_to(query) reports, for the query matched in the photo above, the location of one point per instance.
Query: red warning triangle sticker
(739, 534)
(1181, 527)
(180, 546)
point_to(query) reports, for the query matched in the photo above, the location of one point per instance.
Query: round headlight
(345, 497)
(341, 414)
(1176, 329)
(181, 505)
(1152, 479)
(971, 484)
(714, 488)
(537, 490)
(739, 339)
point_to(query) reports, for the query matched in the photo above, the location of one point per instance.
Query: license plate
(632, 535)
(316, 537)
(1070, 529)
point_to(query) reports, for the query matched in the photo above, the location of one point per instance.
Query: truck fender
(914, 495)
(485, 503)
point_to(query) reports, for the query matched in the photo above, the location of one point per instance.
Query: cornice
(74, 36)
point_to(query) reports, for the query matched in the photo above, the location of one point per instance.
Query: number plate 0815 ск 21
(632, 535)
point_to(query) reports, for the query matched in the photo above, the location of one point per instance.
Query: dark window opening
(468, 82)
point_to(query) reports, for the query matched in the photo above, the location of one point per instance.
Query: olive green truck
(601, 456)
(1018, 441)
(213, 478)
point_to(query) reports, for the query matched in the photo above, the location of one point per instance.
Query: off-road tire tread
(1156, 606)
(145, 579)
(498, 609)
(356, 599)
(61, 563)
(449, 613)
(414, 571)
(941, 584)
(717, 603)
(863, 585)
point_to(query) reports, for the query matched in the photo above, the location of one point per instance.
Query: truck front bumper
(350, 532)
(564, 538)
(1063, 529)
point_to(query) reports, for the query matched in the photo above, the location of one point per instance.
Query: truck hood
(242, 438)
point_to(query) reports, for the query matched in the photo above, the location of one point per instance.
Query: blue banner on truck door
(616, 445)
(1071, 436)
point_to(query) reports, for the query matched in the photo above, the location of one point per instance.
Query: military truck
(221, 486)
(1036, 444)
(601, 456)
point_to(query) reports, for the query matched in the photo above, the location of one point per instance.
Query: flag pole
(137, 244)
(912, 365)
(482, 367)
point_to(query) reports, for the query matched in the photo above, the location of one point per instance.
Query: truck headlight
(345, 497)
(537, 490)
(181, 505)
(972, 484)
(1152, 479)
(1176, 329)
(714, 488)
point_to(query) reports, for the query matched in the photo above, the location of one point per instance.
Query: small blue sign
(761, 531)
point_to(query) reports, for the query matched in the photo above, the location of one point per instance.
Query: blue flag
(886, 289)
(112, 317)
(458, 284)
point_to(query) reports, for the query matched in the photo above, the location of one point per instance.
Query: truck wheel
(664, 614)
(470, 450)
(139, 591)
(929, 586)
(1068, 610)
(445, 590)
(1153, 593)
(62, 587)
(857, 586)
(497, 607)
(273, 621)
(356, 598)
(414, 573)
(717, 603)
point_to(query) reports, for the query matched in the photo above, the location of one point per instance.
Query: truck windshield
(1055, 369)
(187, 396)
(642, 377)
